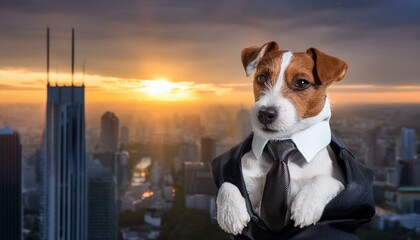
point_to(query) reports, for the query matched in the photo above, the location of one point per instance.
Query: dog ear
(251, 56)
(327, 68)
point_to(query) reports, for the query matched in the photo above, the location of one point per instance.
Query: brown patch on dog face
(269, 66)
(310, 101)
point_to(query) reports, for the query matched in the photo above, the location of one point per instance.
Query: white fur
(313, 184)
(287, 115)
(232, 214)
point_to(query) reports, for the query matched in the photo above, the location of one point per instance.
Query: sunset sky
(190, 50)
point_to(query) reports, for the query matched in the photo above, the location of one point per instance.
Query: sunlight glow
(27, 86)
(158, 87)
(164, 90)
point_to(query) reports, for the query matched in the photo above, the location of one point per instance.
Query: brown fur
(249, 54)
(270, 67)
(308, 102)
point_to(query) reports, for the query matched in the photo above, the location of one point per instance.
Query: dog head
(289, 88)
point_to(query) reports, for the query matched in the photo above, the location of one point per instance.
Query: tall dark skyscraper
(63, 209)
(10, 184)
(109, 132)
(64, 196)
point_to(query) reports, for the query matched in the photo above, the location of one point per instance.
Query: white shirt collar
(309, 142)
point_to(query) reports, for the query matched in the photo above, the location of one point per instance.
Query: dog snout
(267, 115)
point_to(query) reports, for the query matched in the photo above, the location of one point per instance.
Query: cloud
(200, 41)
(156, 89)
(6, 87)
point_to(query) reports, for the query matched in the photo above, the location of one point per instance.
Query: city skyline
(165, 52)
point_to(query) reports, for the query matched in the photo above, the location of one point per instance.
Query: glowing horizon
(25, 86)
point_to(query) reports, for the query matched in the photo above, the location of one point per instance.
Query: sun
(164, 90)
(157, 87)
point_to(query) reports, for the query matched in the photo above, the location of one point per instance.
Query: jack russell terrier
(291, 106)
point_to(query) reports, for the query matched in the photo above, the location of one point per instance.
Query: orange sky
(23, 86)
(128, 46)
(195, 47)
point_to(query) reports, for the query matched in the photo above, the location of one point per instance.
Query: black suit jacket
(346, 212)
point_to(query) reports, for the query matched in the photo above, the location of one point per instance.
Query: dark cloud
(378, 39)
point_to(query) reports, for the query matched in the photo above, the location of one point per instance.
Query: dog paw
(232, 214)
(307, 208)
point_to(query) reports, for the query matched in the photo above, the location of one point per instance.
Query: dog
(290, 103)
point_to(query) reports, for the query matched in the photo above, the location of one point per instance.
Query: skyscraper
(64, 197)
(109, 132)
(102, 203)
(10, 184)
(407, 147)
(63, 209)
(122, 176)
(208, 149)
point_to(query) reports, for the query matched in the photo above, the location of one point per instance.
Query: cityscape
(111, 113)
(149, 178)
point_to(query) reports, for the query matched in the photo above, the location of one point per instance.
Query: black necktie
(277, 185)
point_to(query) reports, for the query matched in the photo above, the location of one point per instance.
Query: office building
(64, 198)
(407, 147)
(63, 209)
(108, 160)
(109, 132)
(199, 187)
(10, 184)
(122, 175)
(208, 149)
(102, 211)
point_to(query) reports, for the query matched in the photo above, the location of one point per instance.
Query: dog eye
(301, 84)
(262, 78)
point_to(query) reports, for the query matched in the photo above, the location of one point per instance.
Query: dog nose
(267, 115)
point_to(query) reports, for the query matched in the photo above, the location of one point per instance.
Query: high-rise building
(199, 188)
(63, 207)
(198, 179)
(407, 147)
(10, 184)
(208, 149)
(122, 175)
(102, 209)
(108, 160)
(109, 132)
